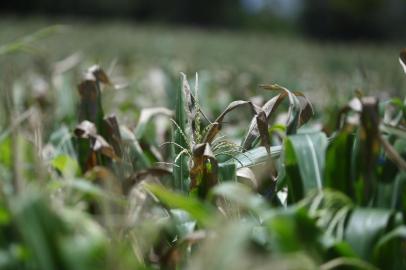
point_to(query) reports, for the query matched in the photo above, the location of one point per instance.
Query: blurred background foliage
(371, 19)
(124, 165)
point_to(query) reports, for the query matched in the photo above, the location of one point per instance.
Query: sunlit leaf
(402, 59)
(66, 165)
(254, 156)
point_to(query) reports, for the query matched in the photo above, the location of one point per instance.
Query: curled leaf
(247, 173)
(102, 146)
(402, 59)
(144, 174)
(112, 133)
(146, 115)
(295, 117)
(99, 74)
(216, 126)
(85, 129)
(90, 96)
(204, 171)
(300, 111)
(89, 144)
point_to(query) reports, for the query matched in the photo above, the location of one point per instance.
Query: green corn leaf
(364, 228)
(304, 160)
(202, 213)
(338, 164)
(254, 157)
(180, 169)
(227, 172)
(389, 252)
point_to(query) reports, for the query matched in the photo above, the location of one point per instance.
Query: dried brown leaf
(204, 171)
(102, 146)
(262, 124)
(393, 155)
(99, 74)
(248, 174)
(217, 124)
(113, 135)
(85, 129)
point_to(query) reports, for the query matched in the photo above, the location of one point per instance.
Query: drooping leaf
(137, 177)
(134, 153)
(295, 118)
(247, 174)
(145, 117)
(303, 110)
(112, 133)
(347, 263)
(216, 126)
(402, 59)
(92, 146)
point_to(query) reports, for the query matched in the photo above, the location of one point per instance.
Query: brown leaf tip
(402, 55)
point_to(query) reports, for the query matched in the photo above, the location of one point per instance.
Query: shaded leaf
(304, 161)
(145, 117)
(199, 211)
(365, 227)
(204, 171)
(338, 165)
(390, 250)
(241, 195)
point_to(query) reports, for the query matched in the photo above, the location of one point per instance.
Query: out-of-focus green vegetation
(236, 62)
(130, 164)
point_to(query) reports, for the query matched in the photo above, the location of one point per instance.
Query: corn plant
(97, 193)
